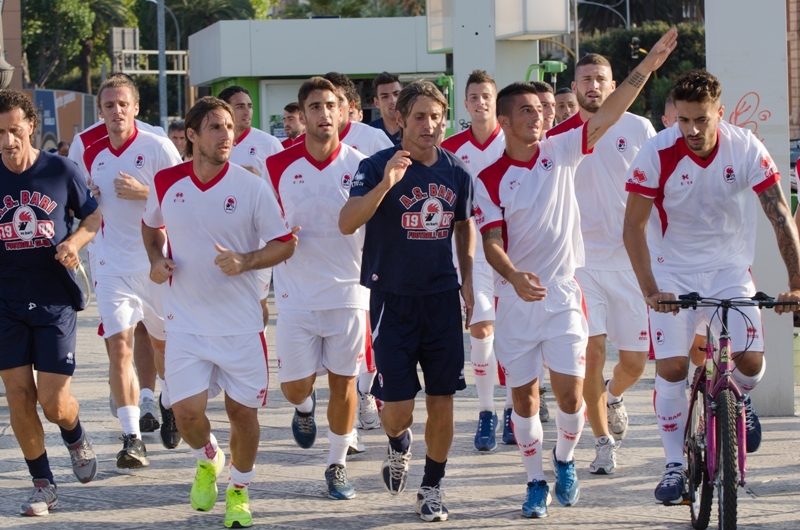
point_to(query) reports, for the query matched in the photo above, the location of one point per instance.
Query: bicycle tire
(727, 480)
(701, 492)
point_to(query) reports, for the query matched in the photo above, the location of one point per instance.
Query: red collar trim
(488, 142)
(345, 131)
(518, 163)
(325, 163)
(128, 142)
(210, 184)
(242, 137)
(696, 159)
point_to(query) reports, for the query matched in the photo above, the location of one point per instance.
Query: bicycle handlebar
(693, 300)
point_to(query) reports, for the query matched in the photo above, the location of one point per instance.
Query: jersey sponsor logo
(230, 204)
(138, 162)
(358, 180)
(434, 190)
(179, 197)
(465, 159)
(730, 176)
(659, 337)
(347, 181)
(252, 151)
(513, 185)
(298, 179)
(622, 144)
(546, 164)
(638, 176)
(685, 180)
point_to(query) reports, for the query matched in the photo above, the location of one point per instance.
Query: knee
(481, 330)
(596, 351)
(749, 364)
(673, 369)
(439, 407)
(120, 351)
(55, 409)
(20, 397)
(242, 417)
(296, 392)
(634, 367)
(186, 416)
(570, 403)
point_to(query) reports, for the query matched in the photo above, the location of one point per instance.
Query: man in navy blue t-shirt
(39, 194)
(414, 198)
(387, 89)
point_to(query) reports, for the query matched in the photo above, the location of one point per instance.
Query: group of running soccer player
(370, 233)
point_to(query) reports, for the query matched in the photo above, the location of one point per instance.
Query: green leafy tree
(108, 14)
(596, 18)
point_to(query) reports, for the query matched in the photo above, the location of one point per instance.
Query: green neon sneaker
(204, 488)
(237, 508)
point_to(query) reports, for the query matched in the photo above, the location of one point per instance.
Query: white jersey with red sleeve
(364, 139)
(121, 252)
(253, 148)
(600, 188)
(476, 156)
(704, 215)
(534, 204)
(324, 272)
(235, 210)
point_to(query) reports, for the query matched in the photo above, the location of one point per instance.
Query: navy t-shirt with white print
(408, 247)
(34, 218)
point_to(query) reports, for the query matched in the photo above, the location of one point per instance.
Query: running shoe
(148, 415)
(170, 437)
(544, 414)
(367, 416)
(237, 508)
(356, 446)
(304, 426)
(605, 461)
(670, 490)
(339, 488)
(508, 429)
(617, 420)
(394, 470)
(43, 500)
(84, 461)
(567, 489)
(204, 488)
(485, 439)
(430, 505)
(753, 435)
(537, 499)
(133, 454)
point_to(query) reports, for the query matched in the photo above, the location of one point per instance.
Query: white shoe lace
(433, 497)
(606, 452)
(398, 463)
(672, 477)
(749, 413)
(42, 494)
(305, 424)
(368, 411)
(82, 453)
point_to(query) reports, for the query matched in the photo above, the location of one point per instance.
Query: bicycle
(715, 427)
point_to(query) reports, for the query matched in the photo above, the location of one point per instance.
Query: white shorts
(615, 308)
(202, 363)
(552, 331)
(318, 342)
(123, 301)
(264, 278)
(673, 334)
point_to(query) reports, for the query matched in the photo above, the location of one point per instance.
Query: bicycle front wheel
(727, 478)
(695, 445)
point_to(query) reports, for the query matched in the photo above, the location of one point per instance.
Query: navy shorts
(39, 335)
(407, 330)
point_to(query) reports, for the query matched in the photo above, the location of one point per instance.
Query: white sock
(164, 393)
(365, 382)
(146, 393)
(339, 444)
(306, 406)
(129, 418)
(239, 479)
(672, 406)
(509, 399)
(611, 398)
(570, 427)
(529, 434)
(208, 451)
(481, 353)
(748, 382)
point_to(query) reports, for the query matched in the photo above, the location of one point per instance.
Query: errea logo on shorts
(230, 204)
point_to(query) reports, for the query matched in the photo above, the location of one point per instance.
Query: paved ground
(483, 490)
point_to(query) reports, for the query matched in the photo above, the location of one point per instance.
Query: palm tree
(108, 14)
(199, 14)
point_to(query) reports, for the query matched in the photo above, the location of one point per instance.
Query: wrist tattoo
(637, 79)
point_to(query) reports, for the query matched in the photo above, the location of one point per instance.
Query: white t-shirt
(324, 272)
(534, 203)
(704, 215)
(364, 139)
(253, 148)
(236, 210)
(121, 250)
(600, 188)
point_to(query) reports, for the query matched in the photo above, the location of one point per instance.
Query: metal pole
(577, 48)
(627, 14)
(162, 66)
(178, 60)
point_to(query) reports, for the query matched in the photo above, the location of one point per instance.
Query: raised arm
(623, 96)
(774, 204)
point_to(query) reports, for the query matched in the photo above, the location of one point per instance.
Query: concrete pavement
(482, 490)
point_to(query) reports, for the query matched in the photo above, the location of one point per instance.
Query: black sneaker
(170, 437)
(133, 454)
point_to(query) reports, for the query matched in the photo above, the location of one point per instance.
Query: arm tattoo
(593, 136)
(774, 204)
(493, 233)
(636, 79)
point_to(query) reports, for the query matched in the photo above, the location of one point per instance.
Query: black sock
(434, 472)
(40, 468)
(73, 435)
(401, 443)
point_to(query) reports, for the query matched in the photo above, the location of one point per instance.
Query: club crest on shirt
(546, 164)
(138, 162)
(347, 181)
(431, 214)
(230, 204)
(622, 144)
(730, 176)
(25, 222)
(252, 151)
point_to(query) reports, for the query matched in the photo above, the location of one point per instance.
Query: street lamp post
(178, 48)
(6, 70)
